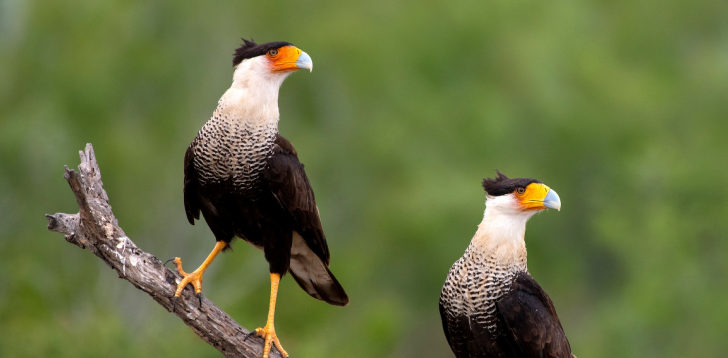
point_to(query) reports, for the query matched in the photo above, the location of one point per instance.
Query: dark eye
(521, 190)
(273, 53)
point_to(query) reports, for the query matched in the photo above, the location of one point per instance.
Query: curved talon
(166, 262)
(271, 340)
(250, 334)
(174, 303)
(195, 277)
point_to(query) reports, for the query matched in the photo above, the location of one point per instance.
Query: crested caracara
(490, 305)
(246, 180)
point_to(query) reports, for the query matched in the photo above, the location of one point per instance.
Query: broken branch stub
(95, 228)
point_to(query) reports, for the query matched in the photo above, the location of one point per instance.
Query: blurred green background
(620, 106)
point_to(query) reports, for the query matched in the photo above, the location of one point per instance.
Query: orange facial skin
(284, 59)
(532, 198)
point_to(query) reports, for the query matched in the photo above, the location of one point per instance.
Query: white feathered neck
(253, 96)
(501, 234)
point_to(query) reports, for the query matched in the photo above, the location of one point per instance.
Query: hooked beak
(304, 62)
(291, 58)
(539, 196)
(552, 200)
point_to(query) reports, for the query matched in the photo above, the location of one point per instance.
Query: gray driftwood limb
(95, 228)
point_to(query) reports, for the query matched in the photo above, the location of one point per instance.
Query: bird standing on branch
(490, 305)
(247, 182)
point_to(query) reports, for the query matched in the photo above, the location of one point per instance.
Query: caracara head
(519, 196)
(272, 60)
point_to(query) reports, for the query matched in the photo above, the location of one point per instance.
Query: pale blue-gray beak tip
(552, 200)
(304, 62)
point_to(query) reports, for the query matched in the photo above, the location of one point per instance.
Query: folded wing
(289, 184)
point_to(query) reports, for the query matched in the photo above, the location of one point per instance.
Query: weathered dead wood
(95, 228)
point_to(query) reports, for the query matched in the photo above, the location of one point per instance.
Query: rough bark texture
(95, 228)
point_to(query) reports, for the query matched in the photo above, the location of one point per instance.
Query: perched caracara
(247, 181)
(490, 305)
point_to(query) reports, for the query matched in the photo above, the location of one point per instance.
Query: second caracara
(247, 182)
(490, 305)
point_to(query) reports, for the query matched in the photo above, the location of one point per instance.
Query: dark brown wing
(459, 334)
(191, 197)
(531, 319)
(446, 323)
(289, 184)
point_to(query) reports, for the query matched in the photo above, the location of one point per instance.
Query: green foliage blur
(619, 106)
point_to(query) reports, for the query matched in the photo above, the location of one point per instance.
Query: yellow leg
(195, 278)
(268, 332)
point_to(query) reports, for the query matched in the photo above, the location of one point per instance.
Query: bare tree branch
(95, 228)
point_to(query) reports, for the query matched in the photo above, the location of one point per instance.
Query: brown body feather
(268, 209)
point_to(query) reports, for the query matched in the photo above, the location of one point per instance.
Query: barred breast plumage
(229, 150)
(475, 283)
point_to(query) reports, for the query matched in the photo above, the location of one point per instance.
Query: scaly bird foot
(271, 338)
(194, 278)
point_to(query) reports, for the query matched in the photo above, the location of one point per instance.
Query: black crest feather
(249, 49)
(501, 184)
